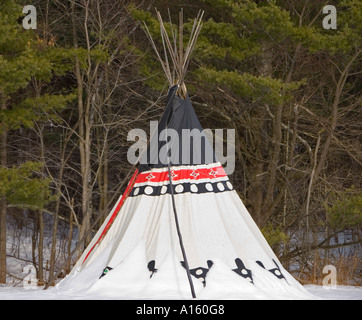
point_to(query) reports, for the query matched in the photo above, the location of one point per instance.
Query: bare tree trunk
(54, 239)
(41, 248)
(56, 213)
(3, 211)
(271, 201)
(334, 114)
(3, 241)
(274, 160)
(70, 237)
(84, 132)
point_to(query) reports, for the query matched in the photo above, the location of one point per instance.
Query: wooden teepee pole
(174, 48)
(179, 234)
(180, 59)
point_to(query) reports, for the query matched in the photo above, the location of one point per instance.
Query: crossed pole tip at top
(173, 49)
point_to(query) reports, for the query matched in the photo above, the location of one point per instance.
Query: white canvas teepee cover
(136, 253)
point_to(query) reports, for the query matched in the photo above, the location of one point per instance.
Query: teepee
(180, 225)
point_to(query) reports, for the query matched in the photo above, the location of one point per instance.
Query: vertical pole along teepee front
(180, 235)
(180, 59)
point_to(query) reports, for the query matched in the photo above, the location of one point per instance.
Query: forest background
(72, 89)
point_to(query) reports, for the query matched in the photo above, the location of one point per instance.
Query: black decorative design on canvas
(105, 271)
(185, 187)
(275, 271)
(151, 266)
(200, 272)
(241, 270)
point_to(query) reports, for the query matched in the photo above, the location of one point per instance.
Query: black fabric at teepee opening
(182, 126)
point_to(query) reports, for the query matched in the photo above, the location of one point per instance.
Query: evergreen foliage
(71, 91)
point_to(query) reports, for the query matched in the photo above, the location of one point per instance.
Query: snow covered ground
(11, 293)
(339, 293)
